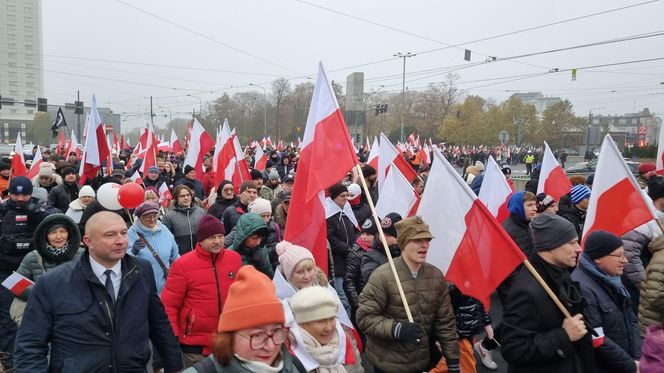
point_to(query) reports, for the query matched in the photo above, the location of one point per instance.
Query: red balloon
(131, 195)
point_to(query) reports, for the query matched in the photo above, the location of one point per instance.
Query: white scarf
(326, 356)
(332, 208)
(257, 366)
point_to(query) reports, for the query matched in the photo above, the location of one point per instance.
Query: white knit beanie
(86, 191)
(260, 206)
(312, 304)
(290, 255)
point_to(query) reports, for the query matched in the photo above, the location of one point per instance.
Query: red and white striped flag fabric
(136, 177)
(372, 159)
(616, 202)
(96, 149)
(552, 180)
(17, 283)
(165, 195)
(116, 143)
(388, 156)
(18, 160)
(72, 146)
(151, 146)
(260, 159)
(37, 160)
(495, 191)
(327, 155)
(176, 146)
(224, 155)
(200, 144)
(471, 248)
(241, 169)
(659, 160)
(397, 195)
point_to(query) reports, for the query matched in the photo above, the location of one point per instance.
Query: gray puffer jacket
(634, 243)
(183, 223)
(39, 261)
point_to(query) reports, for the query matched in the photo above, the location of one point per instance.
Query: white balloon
(107, 195)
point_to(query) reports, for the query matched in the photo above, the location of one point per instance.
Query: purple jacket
(652, 357)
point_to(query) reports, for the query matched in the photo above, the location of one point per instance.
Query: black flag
(59, 122)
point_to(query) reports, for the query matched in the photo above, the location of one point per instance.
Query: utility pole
(78, 116)
(151, 112)
(265, 113)
(403, 86)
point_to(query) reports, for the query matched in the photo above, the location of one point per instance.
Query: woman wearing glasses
(225, 198)
(251, 333)
(183, 219)
(608, 309)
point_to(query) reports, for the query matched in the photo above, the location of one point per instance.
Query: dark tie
(109, 285)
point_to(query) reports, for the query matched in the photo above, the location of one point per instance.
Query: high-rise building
(21, 63)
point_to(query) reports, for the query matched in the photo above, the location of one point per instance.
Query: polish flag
(495, 191)
(397, 195)
(72, 146)
(553, 180)
(224, 155)
(327, 155)
(37, 160)
(424, 155)
(165, 195)
(200, 144)
(18, 161)
(122, 142)
(241, 169)
(17, 283)
(96, 148)
(268, 142)
(176, 146)
(471, 248)
(372, 159)
(299, 142)
(116, 143)
(164, 146)
(150, 157)
(260, 159)
(280, 145)
(659, 161)
(367, 146)
(61, 143)
(388, 156)
(616, 202)
(136, 177)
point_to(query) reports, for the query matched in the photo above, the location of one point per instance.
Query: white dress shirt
(116, 275)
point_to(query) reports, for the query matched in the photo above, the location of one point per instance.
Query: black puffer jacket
(18, 224)
(220, 205)
(519, 230)
(341, 234)
(353, 282)
(61, 196)
(471, 317)
(375, 258)
(575, 216)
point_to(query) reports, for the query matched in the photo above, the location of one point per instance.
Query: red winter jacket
(195, 293)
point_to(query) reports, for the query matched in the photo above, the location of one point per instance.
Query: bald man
(98, 313)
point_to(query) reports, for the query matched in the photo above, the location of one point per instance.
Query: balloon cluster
(114, 196)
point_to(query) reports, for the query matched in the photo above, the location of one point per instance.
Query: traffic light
(42, 104)
(79, 107)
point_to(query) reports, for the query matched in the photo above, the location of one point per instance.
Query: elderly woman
(85, 197)
(315, 310)
(151, 240)
(57, 240)
(608, 303)
(251, 333)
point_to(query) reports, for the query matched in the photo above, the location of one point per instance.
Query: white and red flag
(165, 195)
(552, 180)
(176, 146)
(17, 283)
(116, 143)
(18, 160)
(367, 145)
(96, 149)
(495, 191)
(372, 159)
(389, 156)
(224, 155)
(260, 159)
(616, 202)
(241, 169)
(150, 156)
(397, 195)
(200, 144)
(327, 155)
(72, 146)
(471, 248)
(268, 142)
(280, 145)
(37, 160)
(299, 142)
(136, 177)
(659, 160)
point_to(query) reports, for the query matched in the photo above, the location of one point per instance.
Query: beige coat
(651, 304)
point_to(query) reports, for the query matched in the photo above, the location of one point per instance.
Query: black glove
(407, 331)
(395, 251)
(137, 246)
(258, 259)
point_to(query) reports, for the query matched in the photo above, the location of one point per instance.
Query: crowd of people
(207, 283)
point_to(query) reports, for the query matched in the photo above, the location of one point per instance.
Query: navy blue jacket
(69, 308)
(613, 312)
(17, 229)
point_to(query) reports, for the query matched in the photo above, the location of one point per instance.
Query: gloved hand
(407, 332)
(395, 251)
(137, 246)
(257, 258)
(453, 366)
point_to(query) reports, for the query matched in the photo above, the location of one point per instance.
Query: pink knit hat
(290, 255)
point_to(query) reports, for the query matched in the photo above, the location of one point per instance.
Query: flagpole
(384, 242)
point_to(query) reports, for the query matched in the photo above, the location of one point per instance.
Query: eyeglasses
(259, 340)
(184, 195)
(619, 256)
(228, 189)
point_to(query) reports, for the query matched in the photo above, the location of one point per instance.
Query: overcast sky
(179, 51)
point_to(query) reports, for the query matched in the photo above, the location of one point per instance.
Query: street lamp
(200, 103)
(265, 112)
(590, 119)
(403, 86)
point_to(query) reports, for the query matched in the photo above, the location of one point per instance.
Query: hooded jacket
(575, 216)
(39, 261)
(516, 224)
(183, 223)
(247, 225)
(220, 205)
(61, 196)
(163, 243)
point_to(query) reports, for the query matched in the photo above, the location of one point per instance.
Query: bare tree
(280, 92)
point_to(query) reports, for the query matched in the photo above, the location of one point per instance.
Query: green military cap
(413, 228)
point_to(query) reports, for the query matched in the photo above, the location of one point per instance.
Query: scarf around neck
(327, 355)
(257, 366)
(57, 251)
(613, 282)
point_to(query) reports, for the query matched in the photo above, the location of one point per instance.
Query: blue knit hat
(20, 185)
(579, 193)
